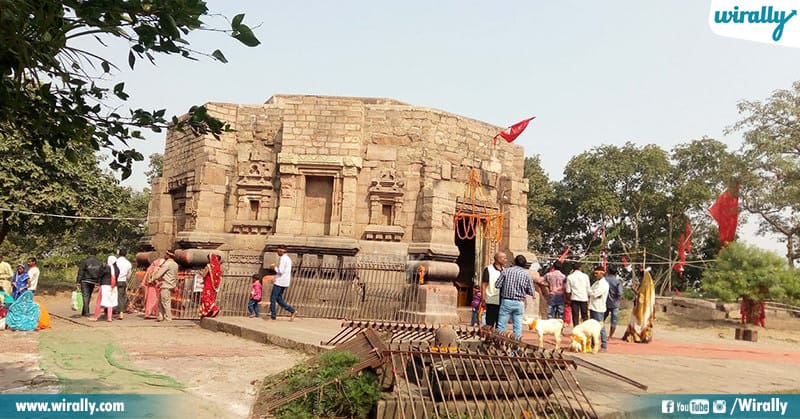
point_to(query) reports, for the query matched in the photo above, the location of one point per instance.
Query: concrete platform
(302, 334)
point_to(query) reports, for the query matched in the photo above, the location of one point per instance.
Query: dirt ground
(691, 356)
(219, 373)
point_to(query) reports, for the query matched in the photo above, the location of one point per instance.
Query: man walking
(90, 273)
(33, 274)
(168, 273)
(554, 281)
(490, 295)
(514, 284)
(5, 276)
(578, 289)
(283, 277)
(125, 267)
(597, 303)
(614, 295)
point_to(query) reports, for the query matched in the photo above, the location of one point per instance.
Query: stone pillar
(437, 297)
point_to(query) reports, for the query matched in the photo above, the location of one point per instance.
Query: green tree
(743, 271)
(541, 213)
(66, 191)
(48, 184)
(620, 189)
(60, 95)
(155, 166)
(771, 188)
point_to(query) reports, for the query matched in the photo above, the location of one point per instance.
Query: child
(255, 296)
(476, 304)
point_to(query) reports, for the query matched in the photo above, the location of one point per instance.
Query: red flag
(688, 235)
(513, 131)
(678, 267)
(725, 212)
(563, 256)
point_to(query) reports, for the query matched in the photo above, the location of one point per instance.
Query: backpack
(94, 270)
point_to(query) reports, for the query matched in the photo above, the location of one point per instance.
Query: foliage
(747, 271)
(353, 396)
(541, 213)
(51, 184)
(613, 188)
(625, 199)
(771, 188)
(155, 166)
(56, 93)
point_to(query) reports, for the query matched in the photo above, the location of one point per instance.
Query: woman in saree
(23, 314)
(640, 326)
(151, 290)
(20, 282)
(212, 280)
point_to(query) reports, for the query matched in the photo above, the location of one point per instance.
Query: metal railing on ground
(364, 290)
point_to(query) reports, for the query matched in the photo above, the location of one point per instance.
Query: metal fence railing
(365, 290)
(375, 290)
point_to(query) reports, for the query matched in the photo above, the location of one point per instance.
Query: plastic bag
(77, 301)
(198, 283)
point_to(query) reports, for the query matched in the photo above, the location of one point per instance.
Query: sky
(592, 73)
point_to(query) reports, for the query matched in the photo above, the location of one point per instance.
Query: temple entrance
(466, 262)
(478, 225)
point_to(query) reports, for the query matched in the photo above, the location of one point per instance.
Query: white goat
(549, 326)
(586, 336)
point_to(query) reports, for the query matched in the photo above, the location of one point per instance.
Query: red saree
(211, 283)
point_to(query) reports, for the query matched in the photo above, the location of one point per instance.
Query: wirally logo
(770, 21)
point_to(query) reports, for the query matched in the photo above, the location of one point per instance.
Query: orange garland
(466, 224)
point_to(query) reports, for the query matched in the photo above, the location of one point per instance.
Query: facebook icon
(667, 406)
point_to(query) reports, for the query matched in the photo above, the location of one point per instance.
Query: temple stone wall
(334, 177)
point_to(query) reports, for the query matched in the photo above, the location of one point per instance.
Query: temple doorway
(473, 256)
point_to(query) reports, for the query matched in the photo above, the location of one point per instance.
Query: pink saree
(151, 293)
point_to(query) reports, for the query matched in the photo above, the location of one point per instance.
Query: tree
(155, 167)
(540, 195)
(57, 94)
(753, 274)
(620, 189)
(48, 184)
(771, 188)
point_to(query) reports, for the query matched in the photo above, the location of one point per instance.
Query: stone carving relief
(386, 204)
(180, 181)
(287, 187)
(254, 193)
(245, 259)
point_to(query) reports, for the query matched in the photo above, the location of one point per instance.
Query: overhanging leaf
(219, 56)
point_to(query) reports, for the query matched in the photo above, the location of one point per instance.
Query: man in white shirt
(283, 277)
(125, 269)
(33, 275)
(597, 303)
(578, 289)
(490, 295)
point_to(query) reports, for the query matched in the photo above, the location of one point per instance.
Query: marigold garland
(467, 223)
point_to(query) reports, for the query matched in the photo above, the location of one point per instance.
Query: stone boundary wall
(700, 309)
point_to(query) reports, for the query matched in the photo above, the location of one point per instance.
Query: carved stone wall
(338, 173)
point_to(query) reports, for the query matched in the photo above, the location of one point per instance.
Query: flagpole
(669, 256)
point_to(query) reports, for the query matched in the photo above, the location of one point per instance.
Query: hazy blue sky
(592, 72)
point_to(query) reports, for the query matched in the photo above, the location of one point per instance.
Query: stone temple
(343, 178)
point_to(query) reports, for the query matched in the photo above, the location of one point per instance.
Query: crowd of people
(19, 309)
(570, 294)
(154, 294)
